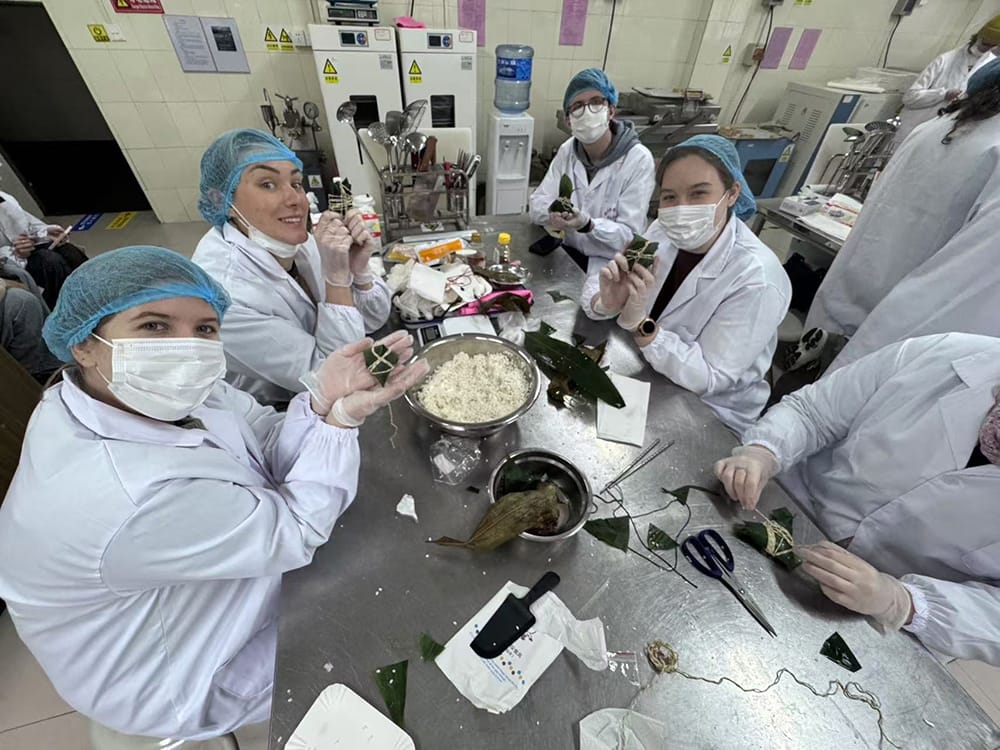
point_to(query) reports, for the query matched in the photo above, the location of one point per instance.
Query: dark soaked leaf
(546, 329)
(836, 650)
(508, 302)
(594, 353)
(497, 277)
(641, 251)
(429, 648)
(559, 297)
(391, 681)
(611, 531)
(681, 493)
(658, 539)
(563, 204)
(509, 516)
(516, 478)
(578, 339)
(568, 361)
(380, 361)
(755, 534)
(565, 186)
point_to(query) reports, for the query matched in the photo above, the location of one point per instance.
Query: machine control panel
(353, 39)
(439, 41)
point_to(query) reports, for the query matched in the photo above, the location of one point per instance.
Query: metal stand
(411, 198)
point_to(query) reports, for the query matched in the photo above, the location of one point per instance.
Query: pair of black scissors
(708, 552)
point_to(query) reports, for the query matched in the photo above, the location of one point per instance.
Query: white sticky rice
(476, 388)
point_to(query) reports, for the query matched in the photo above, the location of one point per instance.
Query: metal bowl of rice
(477, 384)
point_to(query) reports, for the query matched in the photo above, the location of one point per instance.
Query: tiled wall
(164, 118)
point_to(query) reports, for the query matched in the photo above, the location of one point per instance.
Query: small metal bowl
(573, 486)
(522, 274)
(442, 350)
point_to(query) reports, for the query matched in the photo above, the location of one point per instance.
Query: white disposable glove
(351, 410)
(641, 284)
(362, 246)
(745, 473)
(567, 220)
(344, 371)
(614, 287)
(334, 242)
(853, 583)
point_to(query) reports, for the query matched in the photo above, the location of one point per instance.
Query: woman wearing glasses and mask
(296, 296)
(611, 172)
(155, 507)
(706, 314)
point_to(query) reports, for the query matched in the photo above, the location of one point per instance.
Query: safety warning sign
(330, 74)
(137, 6)
(727, 55)
(277, 39)
(98, 31)
(271, 40)
(416, 74)
(285, 40)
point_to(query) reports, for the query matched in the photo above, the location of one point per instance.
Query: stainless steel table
(377, 585)
(768, 212)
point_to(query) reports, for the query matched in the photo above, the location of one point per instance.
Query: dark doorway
(51, 132)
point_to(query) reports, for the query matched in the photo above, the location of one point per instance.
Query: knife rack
(411, 199)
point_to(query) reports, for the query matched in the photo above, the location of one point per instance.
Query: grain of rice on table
(475, 388)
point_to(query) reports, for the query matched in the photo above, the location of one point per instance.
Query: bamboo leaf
(658, 539)
(429, 648)
(641, 251)
(565, 186)
(681, 493)
(509, 516)
(391, 682)
(559, 296)
(836, 650)
(546, 329)
(380, 361)
(755, 534)
(569, 361)
(507, 301)
(611, 531)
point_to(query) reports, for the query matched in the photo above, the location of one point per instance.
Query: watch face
(647, 327)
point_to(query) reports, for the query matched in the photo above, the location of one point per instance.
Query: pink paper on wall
(574, 23)
(804, 49)
(472, 15)
(776, 46)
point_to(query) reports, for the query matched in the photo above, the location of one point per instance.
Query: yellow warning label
(269, 36)
(728, 54)
(415, 69)
(285, 38)
(122, 4)
(121, 220)
(99, 33)
(328, 69)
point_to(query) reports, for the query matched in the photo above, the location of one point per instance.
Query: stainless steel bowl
(441, 350)
(573, 486)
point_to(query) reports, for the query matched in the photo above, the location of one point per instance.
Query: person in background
(155, 507)
(922, 255)
(611, 172)
(896, 457)
(39, 248)
(296, 296)
(706, 315)
(21, 317)
(944, 80)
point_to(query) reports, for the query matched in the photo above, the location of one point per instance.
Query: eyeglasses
(595, 105)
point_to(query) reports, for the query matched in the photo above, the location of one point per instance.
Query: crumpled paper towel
(621, 729)
(497, 685)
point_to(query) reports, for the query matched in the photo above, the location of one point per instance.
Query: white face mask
(689, 227)
(589, 127)
(164, 379)
(266, 241)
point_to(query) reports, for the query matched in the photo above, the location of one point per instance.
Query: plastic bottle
(513, 81)
(366, 205)
(502, 253)
(477, 258)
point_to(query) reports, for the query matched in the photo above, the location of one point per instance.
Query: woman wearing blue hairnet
(611, 172)
(706, 314)
(296, 296)
(155, 507)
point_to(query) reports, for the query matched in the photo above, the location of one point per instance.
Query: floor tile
(26, 695)
(960, 671)
(63, 733)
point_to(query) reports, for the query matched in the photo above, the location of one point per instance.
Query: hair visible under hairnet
(120, 280)
(223, 163)
(590, 79)
(724, 151)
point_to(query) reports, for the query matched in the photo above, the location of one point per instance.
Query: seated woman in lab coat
(155, 507)
(706, 315)
(612, 174)
(296, 296)
(896, 457)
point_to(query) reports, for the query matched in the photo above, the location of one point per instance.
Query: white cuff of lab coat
(920, 609)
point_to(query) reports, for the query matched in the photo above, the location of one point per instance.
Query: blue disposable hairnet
(119, 280)
(590, 79)
(746, 205)
(223, 163)
(986, 76)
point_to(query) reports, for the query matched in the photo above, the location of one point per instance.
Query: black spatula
(511, 620)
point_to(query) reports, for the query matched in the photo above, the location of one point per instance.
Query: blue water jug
(513, 81)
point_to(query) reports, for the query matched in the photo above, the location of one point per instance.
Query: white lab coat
(273, 333)
(947, 72)
(876, 452)
(922, 256)
(15, 221)
(718, 333)
(141, 562)
(617, 200)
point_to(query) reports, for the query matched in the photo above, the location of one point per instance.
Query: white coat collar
(115, 424)
(710, 267)
(964, 410)
(269, 266)
(978, 369)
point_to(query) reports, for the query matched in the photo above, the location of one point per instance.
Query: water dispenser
(509, 162)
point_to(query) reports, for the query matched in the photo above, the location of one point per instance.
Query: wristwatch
(646, 327)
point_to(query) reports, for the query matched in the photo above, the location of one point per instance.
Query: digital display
(433, 40)
(347, 38)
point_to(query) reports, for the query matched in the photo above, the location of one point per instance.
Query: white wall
(164, 118)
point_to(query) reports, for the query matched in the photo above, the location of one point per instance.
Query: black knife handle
(546, 583)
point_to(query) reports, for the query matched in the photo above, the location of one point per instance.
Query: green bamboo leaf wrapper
(569, 362)
(658, 539)
(564, 204)
(612, 531)
(835, 649)
(391, 682)
(640, 251)
(380, 361)
(755, 534)
(681, 493)
(509, 516)
(429, 648)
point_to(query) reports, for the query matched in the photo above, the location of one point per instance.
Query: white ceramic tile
(214, 117)
(213, 8)
(188, 119)
(288, 76)
(124, 120)
(180, 167)
(300, 13)
(138, 76)
(148, 32)
(178, 7)
(167, 205)
(236, 88)
(173, 81)
(148, 165)
(26, 695)
(261, 74)
(243, 115)
(189, 199)
(101, 75)
(206, 87)
(159, 124)
(65, 733)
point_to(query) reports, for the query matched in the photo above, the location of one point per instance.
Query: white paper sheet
(620, 729)
(428, 283)
(340, 718)
(628, 424)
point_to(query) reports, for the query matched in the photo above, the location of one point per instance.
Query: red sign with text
(137, 6)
